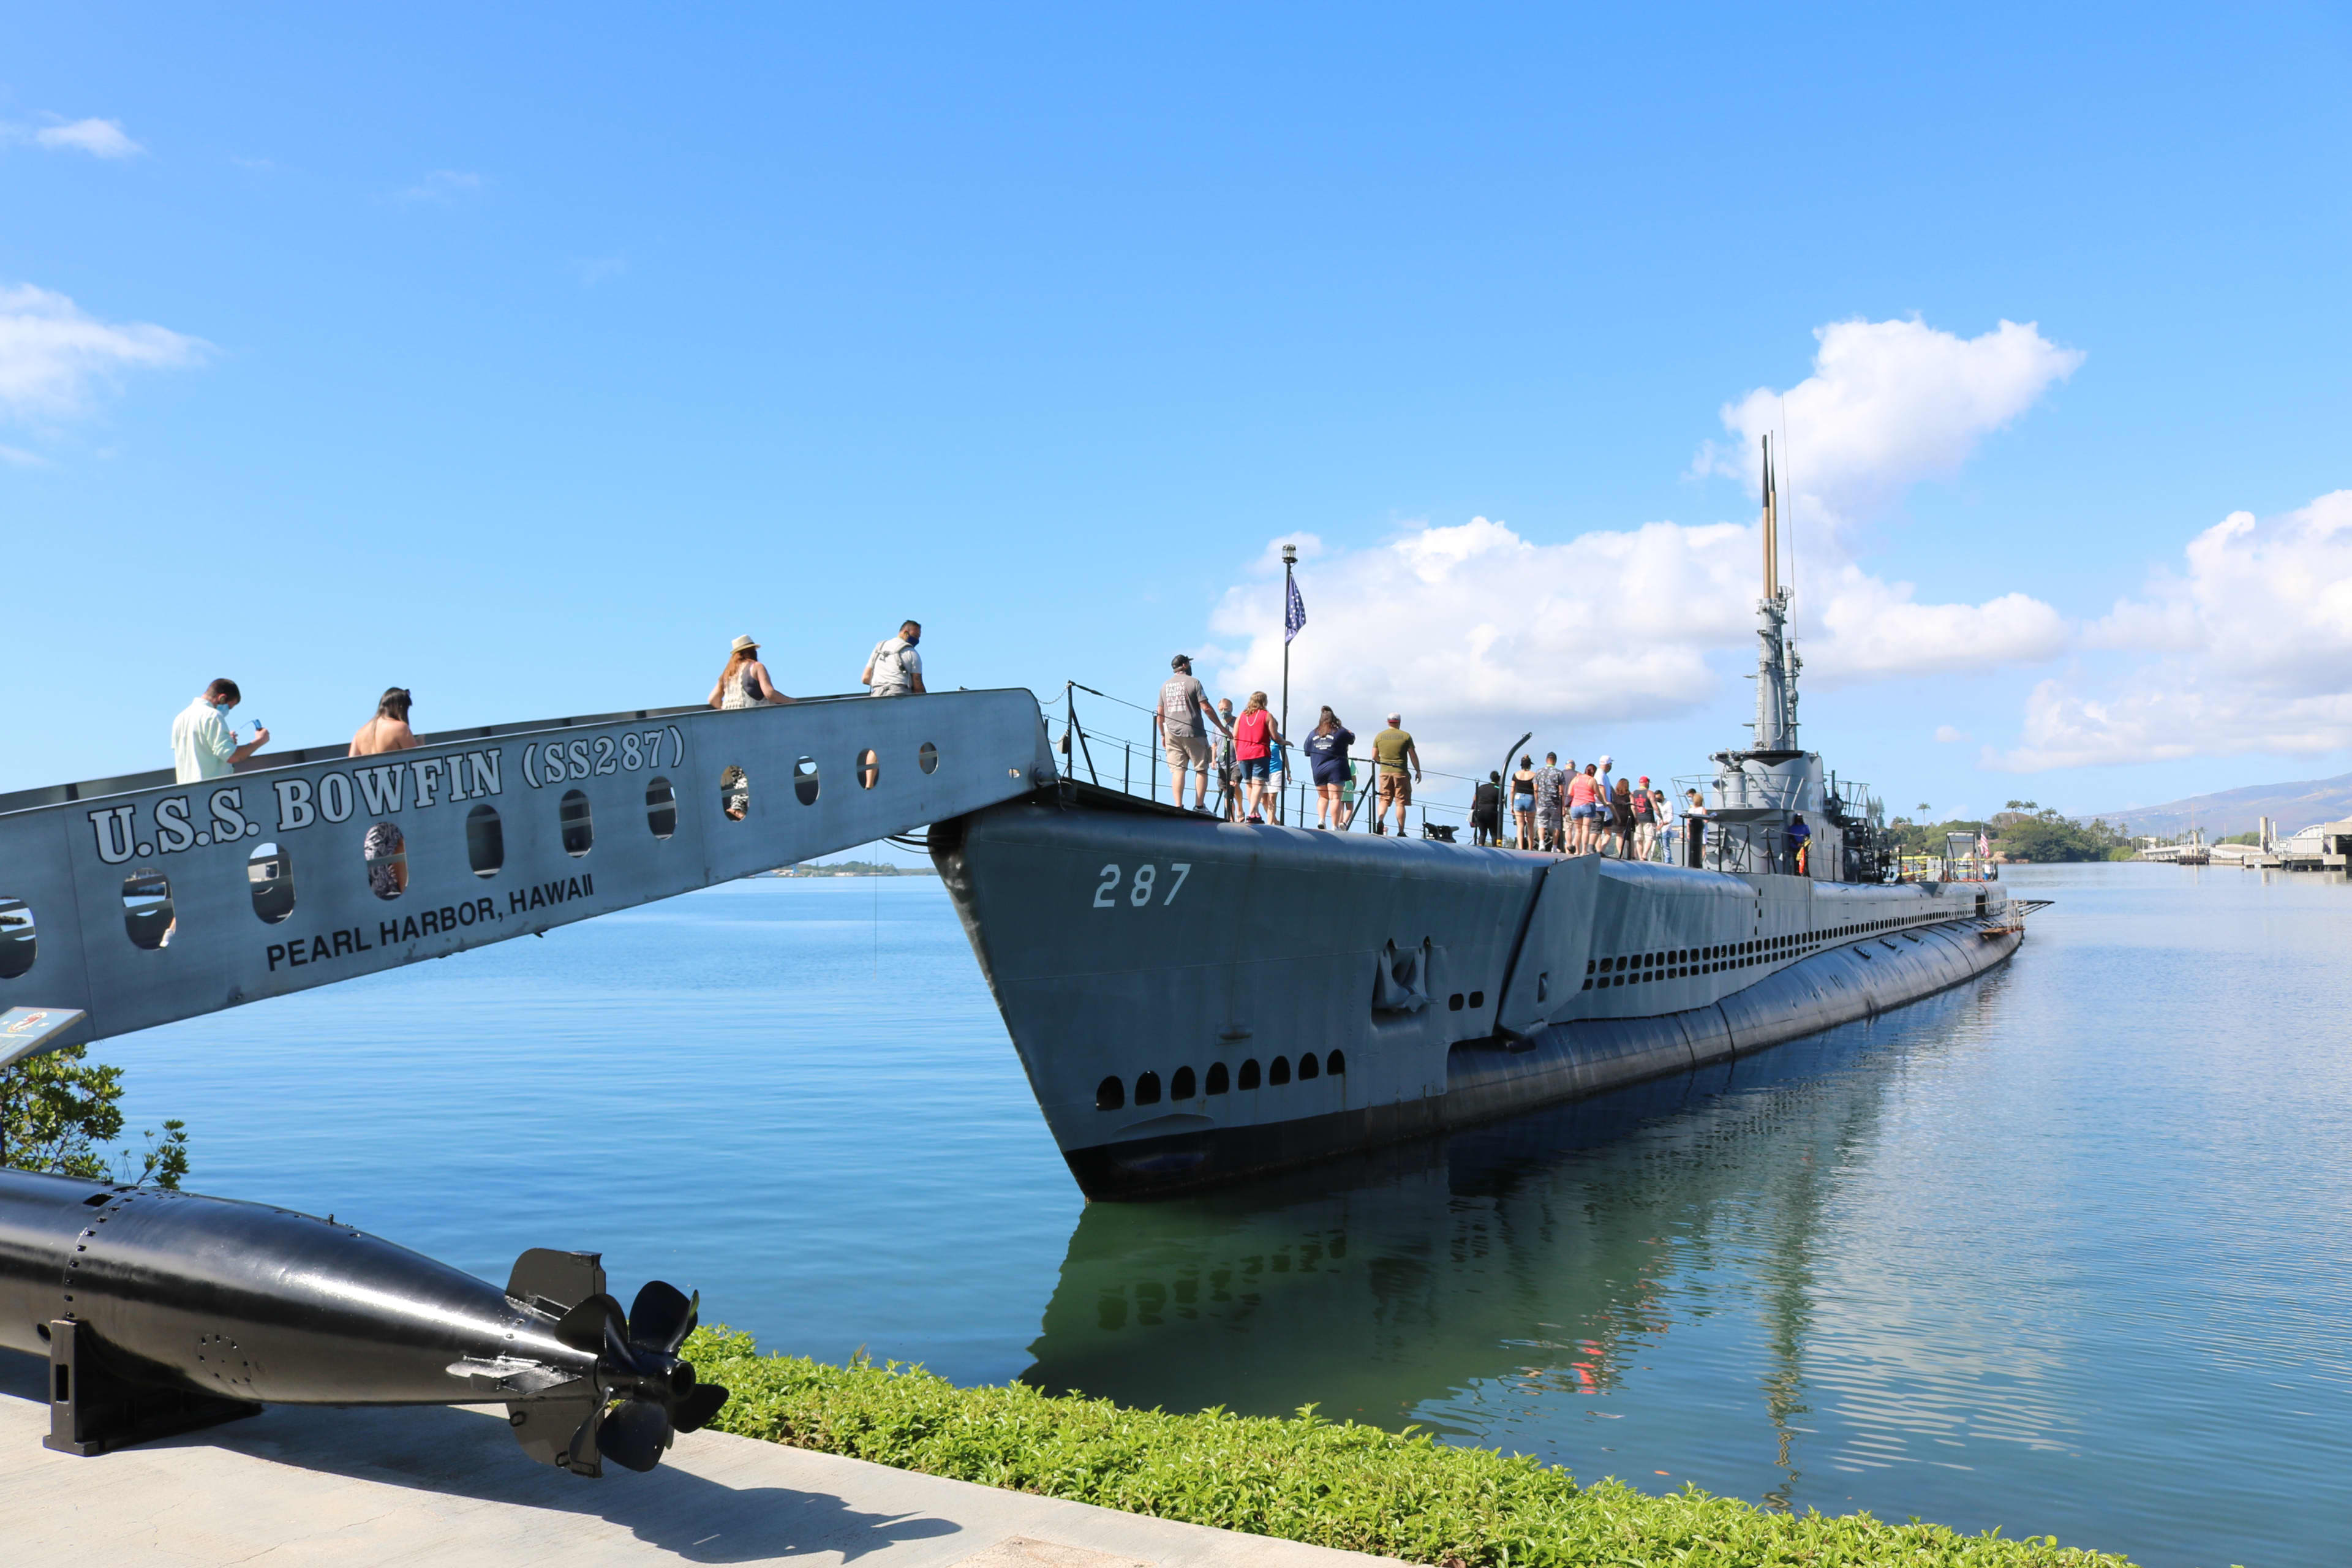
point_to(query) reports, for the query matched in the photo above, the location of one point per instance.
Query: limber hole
(147, 909)
(1306, 1068)
(269, 878)
(486, 841)
(869, 771)
(804, 780)
(1220, 1081)
(386, 853)
(734, 793)
(928, 759)
(1147, 1088)
(1249, 1073)
(661, 807)
(1279, 1073)
(579, 827)
(1110, 1094)
(1184, 1086)
(16, 938)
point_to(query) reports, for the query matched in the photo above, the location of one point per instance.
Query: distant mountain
(2292, 805)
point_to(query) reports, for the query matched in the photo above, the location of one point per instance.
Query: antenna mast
(1776, 705)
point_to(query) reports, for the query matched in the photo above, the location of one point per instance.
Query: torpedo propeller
(650, 1394)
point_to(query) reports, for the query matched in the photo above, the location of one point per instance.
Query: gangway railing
(144, 904)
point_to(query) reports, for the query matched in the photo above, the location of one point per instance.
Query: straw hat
(743, 643)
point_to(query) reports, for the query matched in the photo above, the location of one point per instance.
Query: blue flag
(1294, 617)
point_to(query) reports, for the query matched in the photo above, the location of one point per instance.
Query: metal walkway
(137, 900)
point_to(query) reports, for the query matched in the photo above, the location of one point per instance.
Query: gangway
(137, 900)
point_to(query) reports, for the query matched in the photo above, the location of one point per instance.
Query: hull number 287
(1108, 894)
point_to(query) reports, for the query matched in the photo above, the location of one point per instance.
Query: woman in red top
(1255, 735)
(1583, 812)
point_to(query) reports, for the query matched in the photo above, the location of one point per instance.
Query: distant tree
(61, 1114)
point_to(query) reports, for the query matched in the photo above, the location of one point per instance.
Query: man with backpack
(894, 668)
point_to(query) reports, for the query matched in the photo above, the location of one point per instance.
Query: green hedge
(1343, 1485)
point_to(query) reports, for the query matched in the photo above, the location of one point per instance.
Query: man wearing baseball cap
(1183, 706)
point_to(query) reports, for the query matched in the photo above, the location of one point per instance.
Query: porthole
(928, 759)
(1453, 1003)
(1335, 1065)
(1249, 1073)
(578, 827)
(1279, 1072)
(1477, 998)
(386, 853)
(486, 841)
(16, 938)
(269, 878)
(661, 807)
(1147, 1088)
(804, 780)
(735, 793)
(1307, 1065)
(1184, 1086)
(147, 914)
(1219, 1081)
(869, 769)
(1110, 1095)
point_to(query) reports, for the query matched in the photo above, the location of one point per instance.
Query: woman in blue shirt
(1327, 752)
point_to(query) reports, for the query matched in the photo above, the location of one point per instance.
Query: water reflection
(1504, 1284)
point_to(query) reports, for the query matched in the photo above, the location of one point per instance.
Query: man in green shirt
(1393, 751)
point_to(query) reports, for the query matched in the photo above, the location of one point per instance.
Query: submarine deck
(445, 1485)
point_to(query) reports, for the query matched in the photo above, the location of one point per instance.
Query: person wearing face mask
(894, 668)
(203, 745)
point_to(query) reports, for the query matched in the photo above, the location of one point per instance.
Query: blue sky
(525, 360)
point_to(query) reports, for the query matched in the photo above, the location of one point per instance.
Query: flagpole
(1290, 561)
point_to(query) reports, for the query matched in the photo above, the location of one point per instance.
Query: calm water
(2064, 1252)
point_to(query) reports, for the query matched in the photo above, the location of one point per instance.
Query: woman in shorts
(1620, 819)
(1327, 754)
(1583, 812)
(1255, 735)
(1523, 802)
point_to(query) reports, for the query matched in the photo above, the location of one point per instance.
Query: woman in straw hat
(744, 682)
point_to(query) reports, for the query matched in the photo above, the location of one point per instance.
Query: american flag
(1295, 616)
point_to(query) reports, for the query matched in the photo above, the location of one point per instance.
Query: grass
(1305, 1478)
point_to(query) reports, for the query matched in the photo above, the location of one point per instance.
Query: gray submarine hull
(1196, 1001)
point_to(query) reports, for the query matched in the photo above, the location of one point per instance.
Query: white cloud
(1889, 403)
(443, 185)
(2254, 644)
(1457, 626)
(1947, 734)
(1875, 630)
(52, 354)
(98, 138)
(1472, 628)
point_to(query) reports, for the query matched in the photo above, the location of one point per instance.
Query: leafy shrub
(1333, 1484)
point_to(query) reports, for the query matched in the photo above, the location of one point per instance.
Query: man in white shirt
(894, 668)
(202, 746)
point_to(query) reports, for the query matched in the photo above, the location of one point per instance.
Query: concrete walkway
(449, 1487)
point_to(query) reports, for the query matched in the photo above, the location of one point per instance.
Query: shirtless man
(388, 730)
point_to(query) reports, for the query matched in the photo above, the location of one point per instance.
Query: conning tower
(1759, 789)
